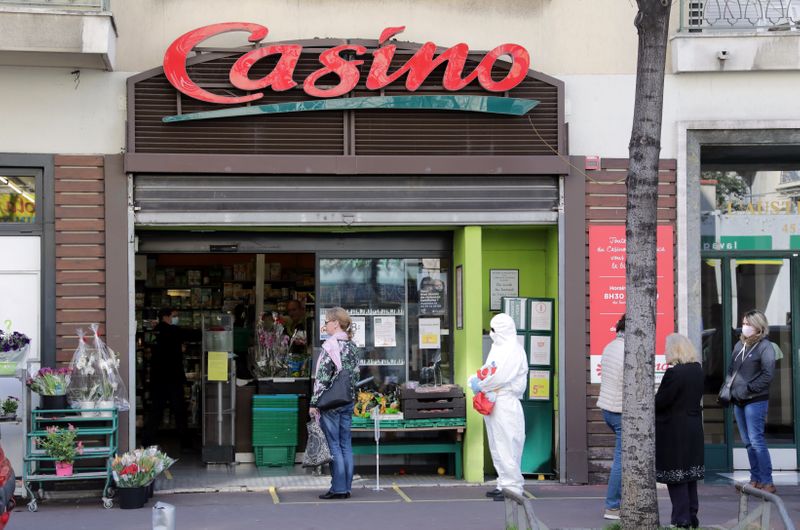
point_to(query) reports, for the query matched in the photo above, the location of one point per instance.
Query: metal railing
(739, 15)
(763, 511)
(60, 5)
(516, 506)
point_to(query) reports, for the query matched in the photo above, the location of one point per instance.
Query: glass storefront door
(731, 286)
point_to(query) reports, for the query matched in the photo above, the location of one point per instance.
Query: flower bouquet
(14, 348)
(270, 357)
(96, 382)
(60, 445)
(135, 471)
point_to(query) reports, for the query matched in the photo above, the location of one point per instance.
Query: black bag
(339, 393)
(724, 397)
(317, 450)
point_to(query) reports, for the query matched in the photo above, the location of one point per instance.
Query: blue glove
(473, 384)
(491, 396)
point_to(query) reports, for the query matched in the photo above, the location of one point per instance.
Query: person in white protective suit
(505, 425)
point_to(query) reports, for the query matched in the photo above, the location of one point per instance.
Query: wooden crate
(446, 403)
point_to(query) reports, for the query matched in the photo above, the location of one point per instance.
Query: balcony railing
(61, 5)
(740, 15)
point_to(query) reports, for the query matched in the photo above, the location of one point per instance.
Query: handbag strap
(744, 358)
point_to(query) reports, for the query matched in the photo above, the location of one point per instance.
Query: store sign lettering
(343, 62)
(784, 207)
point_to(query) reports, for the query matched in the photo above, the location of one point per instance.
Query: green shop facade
(379, 197)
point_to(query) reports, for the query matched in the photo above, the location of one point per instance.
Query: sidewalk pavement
(461, 507)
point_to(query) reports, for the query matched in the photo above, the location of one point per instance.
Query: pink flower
(79, 449)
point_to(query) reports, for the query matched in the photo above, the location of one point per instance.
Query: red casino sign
(333, 61)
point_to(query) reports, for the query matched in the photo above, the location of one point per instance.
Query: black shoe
(332, 495)
(499, 498)
(497, 492)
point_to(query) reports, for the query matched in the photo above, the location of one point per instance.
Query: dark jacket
(752, 381)
(167, 360)
(679, 425)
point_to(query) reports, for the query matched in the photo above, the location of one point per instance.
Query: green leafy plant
(9, 405)
(60, 444)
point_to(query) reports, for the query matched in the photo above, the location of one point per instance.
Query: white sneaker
(611, 513)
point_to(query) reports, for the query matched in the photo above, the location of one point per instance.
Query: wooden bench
(366, 446)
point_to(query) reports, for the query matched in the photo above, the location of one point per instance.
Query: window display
(400, 309)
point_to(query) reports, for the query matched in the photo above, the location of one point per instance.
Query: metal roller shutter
(322, 200)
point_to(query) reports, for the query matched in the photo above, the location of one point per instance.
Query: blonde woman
(753, 362)
(338, 353)
(679, 430)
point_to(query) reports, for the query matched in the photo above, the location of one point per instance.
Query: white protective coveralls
(505, 426)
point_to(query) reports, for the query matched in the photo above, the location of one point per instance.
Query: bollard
(163, 516)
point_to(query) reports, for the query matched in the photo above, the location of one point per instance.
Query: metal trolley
(97, 429)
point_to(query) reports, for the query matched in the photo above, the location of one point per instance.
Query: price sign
(539, 385)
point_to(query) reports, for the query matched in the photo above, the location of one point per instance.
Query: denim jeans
(751, 420)
(614, 493)
(336, 425)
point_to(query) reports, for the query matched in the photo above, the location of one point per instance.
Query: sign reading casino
(343, 62)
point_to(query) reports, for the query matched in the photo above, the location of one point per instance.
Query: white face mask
(748, 330)
(174, 321)
(493, 335)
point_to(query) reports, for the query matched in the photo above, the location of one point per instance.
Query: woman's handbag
(317, 450)
(339, 393)
(724, 397)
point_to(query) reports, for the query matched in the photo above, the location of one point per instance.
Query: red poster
(607, 288)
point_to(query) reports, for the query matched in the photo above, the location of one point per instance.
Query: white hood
(509, 358)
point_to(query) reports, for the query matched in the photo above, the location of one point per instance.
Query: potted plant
(9, 408)
(59, 444)
(51, 385)
(14, 348)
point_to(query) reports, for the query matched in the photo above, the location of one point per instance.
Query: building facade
(461, 196)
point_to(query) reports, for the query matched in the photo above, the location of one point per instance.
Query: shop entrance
(733, 283)
(397, 290)
(267, 295)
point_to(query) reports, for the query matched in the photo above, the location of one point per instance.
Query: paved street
(431, 507)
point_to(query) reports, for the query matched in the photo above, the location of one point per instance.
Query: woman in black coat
(679, 430)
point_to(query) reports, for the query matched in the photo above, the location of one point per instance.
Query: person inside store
(679, 430)
(167, 378)
(610, 402)
(506, 377)
(296, 311)
(752, 368)
(338, 353)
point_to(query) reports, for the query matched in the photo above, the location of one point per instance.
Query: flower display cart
(99, 436)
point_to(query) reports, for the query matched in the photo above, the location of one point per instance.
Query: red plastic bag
(482, 404)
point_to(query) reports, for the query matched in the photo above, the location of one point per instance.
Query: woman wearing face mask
(753, 362)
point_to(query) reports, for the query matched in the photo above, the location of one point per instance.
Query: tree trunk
(639, 502)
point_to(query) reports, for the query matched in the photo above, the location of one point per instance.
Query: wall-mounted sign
(607, 289)
(541, 315)
(539, 349)
(344, 62)
(502, 283)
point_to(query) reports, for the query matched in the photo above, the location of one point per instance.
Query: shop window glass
(401, 312)
(750, 210)
(17, 199)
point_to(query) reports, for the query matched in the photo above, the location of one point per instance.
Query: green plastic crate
(279, 455)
